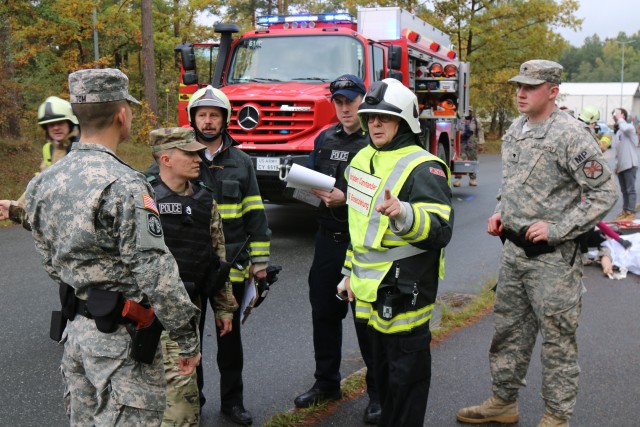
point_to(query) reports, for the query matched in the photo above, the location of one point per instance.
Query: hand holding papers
(304, 180)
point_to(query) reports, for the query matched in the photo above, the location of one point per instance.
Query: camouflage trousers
(183, 401)
(541, 294)
(469, 151)
(103, 385)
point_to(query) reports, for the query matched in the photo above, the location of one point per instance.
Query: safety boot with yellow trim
(493, 409)
(549, 420)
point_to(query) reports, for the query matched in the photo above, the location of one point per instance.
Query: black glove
(625, 243)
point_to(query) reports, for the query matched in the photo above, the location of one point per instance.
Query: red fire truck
(277, 79)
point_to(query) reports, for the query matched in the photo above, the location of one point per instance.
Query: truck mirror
(225, 31)
(189, 78)
(187, 56)
(395, 57)
(393, 74)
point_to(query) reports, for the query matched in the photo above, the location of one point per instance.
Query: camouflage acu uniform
(183, 403)
(472, 136)
(553, 172)
(96, 226)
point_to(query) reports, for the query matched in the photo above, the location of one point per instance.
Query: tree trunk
(9, 104)
(148, 63)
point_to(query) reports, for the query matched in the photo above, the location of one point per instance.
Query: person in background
(61, 130)
(590, 115)
(626, 145)
(333, 150)
(471, 143)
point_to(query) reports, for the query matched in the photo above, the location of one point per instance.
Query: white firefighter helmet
(390, 96)
(209, 97)
(55, 109)
(589, 115)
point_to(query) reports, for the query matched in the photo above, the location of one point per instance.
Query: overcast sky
(606, 18)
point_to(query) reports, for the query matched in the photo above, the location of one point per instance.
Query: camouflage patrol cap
(539, 71)
(181, 138)
(99, 85)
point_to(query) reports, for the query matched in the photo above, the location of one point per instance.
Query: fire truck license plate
(268, 164)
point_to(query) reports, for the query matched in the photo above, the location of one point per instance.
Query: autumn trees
(43, 40)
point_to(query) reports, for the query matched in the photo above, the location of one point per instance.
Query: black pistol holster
(144, 341)
(67, 312)
(531, 249)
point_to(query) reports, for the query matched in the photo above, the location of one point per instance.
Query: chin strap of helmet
(205, 136)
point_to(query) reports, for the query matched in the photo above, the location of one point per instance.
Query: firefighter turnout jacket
(233, 180)
(394, 273)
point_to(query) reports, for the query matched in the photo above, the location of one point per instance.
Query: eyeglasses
(384, 118)
(344, 84)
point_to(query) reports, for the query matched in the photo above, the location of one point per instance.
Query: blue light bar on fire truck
(327, 17)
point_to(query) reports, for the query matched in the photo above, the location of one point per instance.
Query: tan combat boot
(473, 182)
(623, 216)
(631, 216)
(493, 409)
(457, 183)
(549, 420)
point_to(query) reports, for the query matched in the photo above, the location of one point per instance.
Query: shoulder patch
(593, 169)
(149, 203)
(153, 224)
(437, 171)
(584, 155)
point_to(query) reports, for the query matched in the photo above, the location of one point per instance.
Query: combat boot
(473, 182)
(493, 409)
(630, 216)
(457, 183)
(549, 420)
(622, 216)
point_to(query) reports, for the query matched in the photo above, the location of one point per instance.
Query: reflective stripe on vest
(47, 153)
(371, 236)
(403, 322)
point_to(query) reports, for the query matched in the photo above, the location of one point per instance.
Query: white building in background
(604, 96)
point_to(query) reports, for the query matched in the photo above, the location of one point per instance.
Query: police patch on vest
(341, 156)
(170, 208)
(593, 169)
(154, 225)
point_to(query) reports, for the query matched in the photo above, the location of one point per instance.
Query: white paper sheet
(306, 179)
(250, 295)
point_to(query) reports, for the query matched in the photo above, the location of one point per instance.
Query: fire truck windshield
(295, 58)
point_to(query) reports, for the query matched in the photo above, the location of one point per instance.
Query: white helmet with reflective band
(209, 97)
(390, 96)
(55, 109)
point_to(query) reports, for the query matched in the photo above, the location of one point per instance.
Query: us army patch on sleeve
(153, 225)
(592, 169)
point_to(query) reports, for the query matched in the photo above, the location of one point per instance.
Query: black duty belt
(336, 236)
(530, 249)
(81, 308)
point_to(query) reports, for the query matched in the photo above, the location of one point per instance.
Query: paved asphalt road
(277, 336)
